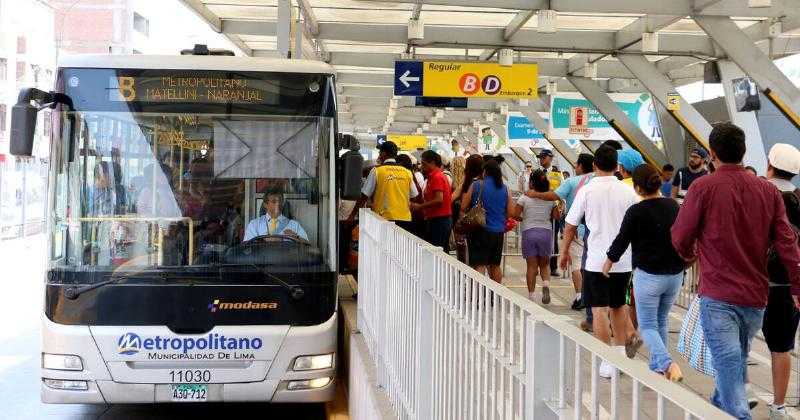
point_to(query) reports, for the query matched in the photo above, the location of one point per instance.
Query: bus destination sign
(185, 89)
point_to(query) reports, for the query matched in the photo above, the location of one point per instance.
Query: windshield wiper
(296, 292)
(73, 292)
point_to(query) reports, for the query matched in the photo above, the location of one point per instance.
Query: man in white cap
(782, 316)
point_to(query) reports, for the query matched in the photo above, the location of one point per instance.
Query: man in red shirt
(437, 198)
(731, 219)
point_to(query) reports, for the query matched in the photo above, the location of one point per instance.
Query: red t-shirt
(437, 181)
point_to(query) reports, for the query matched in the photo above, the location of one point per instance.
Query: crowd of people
(631, 232)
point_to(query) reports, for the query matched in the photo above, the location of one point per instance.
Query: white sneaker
(777, 413)
(606, 370)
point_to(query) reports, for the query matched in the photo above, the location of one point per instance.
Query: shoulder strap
(582, 182)
(479, 196)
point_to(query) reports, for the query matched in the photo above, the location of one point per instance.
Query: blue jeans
(655, 295)
(729, 330)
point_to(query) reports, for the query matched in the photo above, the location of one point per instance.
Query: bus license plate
(189, 392)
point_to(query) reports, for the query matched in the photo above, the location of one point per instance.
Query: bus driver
(273, 222)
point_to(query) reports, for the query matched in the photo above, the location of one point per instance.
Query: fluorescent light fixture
(547, 21)
(61, 362)
(416, 30)
(650, 42)
(590, 70)
(505, 57)
(552, 87)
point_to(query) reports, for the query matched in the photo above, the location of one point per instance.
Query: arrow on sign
(406, 77)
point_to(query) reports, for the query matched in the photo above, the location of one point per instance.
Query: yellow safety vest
(555, 179)
(392, 192)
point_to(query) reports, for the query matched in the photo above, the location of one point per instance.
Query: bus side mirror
(352, 166)
(23, 126)
(23, 117)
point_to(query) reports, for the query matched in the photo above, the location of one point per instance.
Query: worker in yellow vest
(390, 187)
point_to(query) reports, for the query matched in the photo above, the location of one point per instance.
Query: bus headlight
(61, 362)
(319, 361)
(66, 385)
(308, 384)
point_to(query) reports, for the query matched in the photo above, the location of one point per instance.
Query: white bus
(192, 229)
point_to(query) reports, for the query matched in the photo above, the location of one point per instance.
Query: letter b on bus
(127, 89)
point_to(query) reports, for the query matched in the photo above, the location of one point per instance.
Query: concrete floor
(21, 281)
(562, 295)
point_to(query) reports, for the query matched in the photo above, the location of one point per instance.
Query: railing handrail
(534, 314)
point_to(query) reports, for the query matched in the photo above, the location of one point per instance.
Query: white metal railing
(449, 343)
(688, 292)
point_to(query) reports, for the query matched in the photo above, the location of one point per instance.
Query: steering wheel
(276, 238)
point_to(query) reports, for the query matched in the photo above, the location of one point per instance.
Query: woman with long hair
(658, 269)
(473, 170)
(485, 245)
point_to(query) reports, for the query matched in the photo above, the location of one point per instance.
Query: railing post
(424, 346)
(541, 376)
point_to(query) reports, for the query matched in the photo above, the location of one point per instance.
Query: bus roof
(195, 62)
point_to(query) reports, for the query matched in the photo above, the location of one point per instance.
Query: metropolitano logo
(129, 344)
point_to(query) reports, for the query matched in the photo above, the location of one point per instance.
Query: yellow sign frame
(408, 142)
(459, 79)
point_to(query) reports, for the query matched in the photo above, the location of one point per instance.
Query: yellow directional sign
(479, 80)
(673, 102)
(408, 142)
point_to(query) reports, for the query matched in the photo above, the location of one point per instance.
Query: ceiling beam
(655, 7)
(200, 9)
(519, 20)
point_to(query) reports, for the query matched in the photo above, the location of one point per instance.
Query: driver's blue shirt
(260, 226)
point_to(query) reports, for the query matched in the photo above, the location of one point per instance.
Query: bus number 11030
(189, 376)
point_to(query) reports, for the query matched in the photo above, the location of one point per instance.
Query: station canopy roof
(363, 38)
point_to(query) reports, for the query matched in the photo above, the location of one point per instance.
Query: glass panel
(146, 190)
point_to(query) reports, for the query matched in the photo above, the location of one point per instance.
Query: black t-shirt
(775, 268)
(646, 227)
(684, 178)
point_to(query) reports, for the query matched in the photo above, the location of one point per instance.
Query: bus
(191, 224)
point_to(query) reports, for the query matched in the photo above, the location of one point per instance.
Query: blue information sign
(519, 128)
(408, 78)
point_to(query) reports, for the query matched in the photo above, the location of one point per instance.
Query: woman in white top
(537, 233)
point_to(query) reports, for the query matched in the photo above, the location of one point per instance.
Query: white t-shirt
(535, 213)
(603, 202)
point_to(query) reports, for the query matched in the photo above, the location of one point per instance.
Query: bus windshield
(145, 190)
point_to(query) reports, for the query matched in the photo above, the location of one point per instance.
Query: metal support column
(741, 50)
(284, 29)
(617, 119)
(298, 39)
(671, 136)
(540, 124)
(659, 86)
(755, 155)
